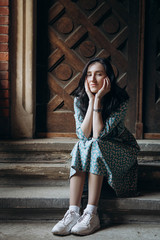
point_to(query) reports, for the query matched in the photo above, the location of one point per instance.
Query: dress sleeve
(78, 120)
(114, 119)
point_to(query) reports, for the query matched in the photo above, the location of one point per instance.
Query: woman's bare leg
(90, 213)
(94, 188)
(76, 188)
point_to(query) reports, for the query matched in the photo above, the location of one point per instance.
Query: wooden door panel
(152, 71)
(60, 92)
(78, 31)
(60, 122)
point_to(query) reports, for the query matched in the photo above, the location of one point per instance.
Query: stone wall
(4, 70)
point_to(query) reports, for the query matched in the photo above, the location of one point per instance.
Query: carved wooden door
(151, 107)
(79, 30)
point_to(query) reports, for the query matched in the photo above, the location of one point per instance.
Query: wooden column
(22, 67)
(139, 110)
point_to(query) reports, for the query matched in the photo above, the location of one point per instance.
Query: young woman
(105, 147)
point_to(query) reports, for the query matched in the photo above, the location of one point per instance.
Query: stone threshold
(63, 144)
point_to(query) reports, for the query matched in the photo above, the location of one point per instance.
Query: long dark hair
(111, 101)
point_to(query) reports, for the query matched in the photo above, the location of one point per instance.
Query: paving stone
(42, 231)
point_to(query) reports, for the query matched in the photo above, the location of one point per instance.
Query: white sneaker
(64, 226)
(86, 224)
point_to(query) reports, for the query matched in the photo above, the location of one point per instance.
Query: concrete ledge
(43, 161)
(41, 145)
(149, 145)
(50, 203)
(58, 197)
(63, 144)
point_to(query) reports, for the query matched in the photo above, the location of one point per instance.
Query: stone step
(50, 203)
(20, 174)
(40, 146)
(47, 174)
(149, 165)
(149, 176)
(35, 162)
(47, 162)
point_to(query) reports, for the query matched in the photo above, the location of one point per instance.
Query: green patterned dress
(113, 154)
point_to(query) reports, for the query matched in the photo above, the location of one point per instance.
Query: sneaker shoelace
(85, 218)
(66, 217)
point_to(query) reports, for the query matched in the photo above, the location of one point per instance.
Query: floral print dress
(113, 154)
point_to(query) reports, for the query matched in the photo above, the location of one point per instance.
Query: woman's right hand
(87, 89)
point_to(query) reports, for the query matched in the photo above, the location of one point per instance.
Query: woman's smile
(93, 85)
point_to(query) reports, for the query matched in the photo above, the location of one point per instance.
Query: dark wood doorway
(69, 33)
(151, 90)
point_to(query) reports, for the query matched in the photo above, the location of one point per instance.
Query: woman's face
(95, 76)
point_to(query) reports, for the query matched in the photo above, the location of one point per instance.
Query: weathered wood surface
(77, 32)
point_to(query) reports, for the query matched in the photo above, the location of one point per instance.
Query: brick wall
(4, 69)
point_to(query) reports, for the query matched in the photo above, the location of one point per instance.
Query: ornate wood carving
(78, 31)
(151, 111)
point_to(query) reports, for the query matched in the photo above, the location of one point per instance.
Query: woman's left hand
(105, 88)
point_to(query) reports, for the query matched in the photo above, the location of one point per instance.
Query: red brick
(4, 2)
(4, 11)
(4, 94)
(4, 47)
(4, 29)
(4, 56)
(4, 75)
(4, 66)
(4, 103)
(4, 20)
(4, 84)
(4, 112)
(4, 38)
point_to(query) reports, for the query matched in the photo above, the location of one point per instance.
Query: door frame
(23, 68)
(139, 131)
(139, 107)
(23, 71)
